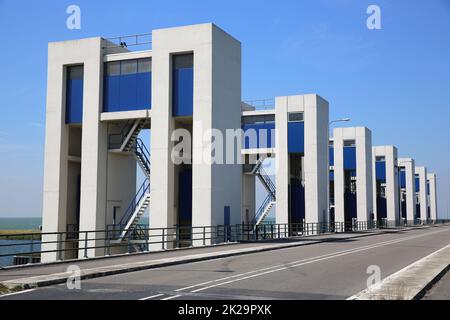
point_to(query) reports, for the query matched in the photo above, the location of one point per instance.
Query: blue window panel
(74, 95)
(417, 184)
(331, 155)
(380, 170)
(350, 158)
(144, 90)
(296, 137)
(125, 87)
(183, 92)
(402, 179)
(185, 197)
(264, 139)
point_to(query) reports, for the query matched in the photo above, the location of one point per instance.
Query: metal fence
(74, 244)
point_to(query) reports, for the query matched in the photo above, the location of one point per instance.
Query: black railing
(87, 244)
(142, 152)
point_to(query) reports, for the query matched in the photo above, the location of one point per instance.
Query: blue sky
(395, 80)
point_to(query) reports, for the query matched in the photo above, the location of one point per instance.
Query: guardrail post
(204, 236)
(85, 244)
(59, 246)
(129, 242)
(163, 239)
(30, 258)
(108, 242)
(177, 236)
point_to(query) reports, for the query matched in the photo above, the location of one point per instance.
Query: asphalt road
(331, 270)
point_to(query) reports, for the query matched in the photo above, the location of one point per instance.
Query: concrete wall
(217, 74)
(392, 191)
(93, 171)
(364, 185)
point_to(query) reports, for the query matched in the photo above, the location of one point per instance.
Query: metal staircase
(268, 184)
(127, 141)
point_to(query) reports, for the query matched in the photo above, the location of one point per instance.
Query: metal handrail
(261, 104)
(268, 181)
(121, 41)
(141, 149)
(143, 190)
(102, 239)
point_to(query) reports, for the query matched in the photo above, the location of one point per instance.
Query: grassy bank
(20, 234)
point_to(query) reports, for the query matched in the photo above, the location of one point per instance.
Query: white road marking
(172, 297)
(152, 297)
(16, 293)
(308, 261)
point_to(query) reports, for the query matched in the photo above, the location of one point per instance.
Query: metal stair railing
(142, 192)
(268, 182)
(262, 208)
(141, 151)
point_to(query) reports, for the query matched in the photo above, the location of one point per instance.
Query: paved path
(327, 270)
(441, 290)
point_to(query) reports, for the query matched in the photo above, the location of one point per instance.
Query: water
(25, 224)
(15, 250)
(20, 223)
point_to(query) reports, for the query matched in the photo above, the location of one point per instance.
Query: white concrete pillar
(392, 191)
(364, 186)
(422, 172)
(409, 166)
(433, 196)
(282, 160)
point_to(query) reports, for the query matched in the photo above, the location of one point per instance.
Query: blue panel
(350, 206)
(185, 197)
(350, 158)
(380, 170)
(403, 205)
(111, 94)
(297, 202)
(402, 179)
(74, 101)
(226, 215)
(417, 184)
(128, 91)
(331, 175)
(331, 155)
(144, 90)
(183, 92)
(381, 208)
(296, 137)
(264, 139)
